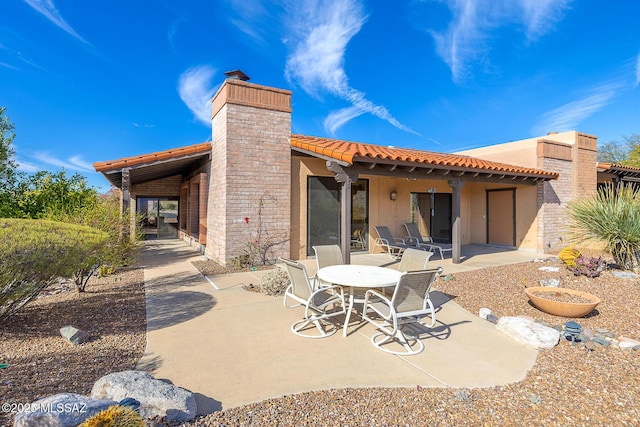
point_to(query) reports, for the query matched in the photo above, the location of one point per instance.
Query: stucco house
(300, 190)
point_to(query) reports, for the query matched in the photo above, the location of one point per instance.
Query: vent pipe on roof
(236, 75)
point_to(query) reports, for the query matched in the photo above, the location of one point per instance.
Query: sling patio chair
(327, 255)
(412, 260)
(393, 245)
(409, 303)
(320, 305)
(416, 238)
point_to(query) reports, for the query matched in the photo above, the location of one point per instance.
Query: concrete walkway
(232, 347)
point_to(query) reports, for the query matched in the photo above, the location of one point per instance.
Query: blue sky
(87, 81)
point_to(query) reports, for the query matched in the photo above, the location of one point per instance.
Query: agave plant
(612, 217)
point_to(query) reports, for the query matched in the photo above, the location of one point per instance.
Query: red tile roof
(345, 151)
(152, 157)
(616, 167)
(351, 152)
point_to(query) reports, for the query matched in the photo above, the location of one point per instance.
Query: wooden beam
(456, 185)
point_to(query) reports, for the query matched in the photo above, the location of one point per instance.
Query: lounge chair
(408, 304)
(416, 238)
(320, 305)
(394, 246)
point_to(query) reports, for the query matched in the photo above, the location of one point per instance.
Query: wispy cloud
(466, 39)
(49, 10)
(26, 166)
(320, 32)
(337, 118)
(571, 114)
(138, 125)
(251, 18)
(9, 66)
(74, 163)
(194, 87)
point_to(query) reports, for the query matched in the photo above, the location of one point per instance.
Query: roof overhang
(150, 167)
(366, 159)
(618, 171)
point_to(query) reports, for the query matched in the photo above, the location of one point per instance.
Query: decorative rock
(484, 312)
(73, 335)
(588, 333)
(549, 269)
(625, 274)
(601, 341)
(492, 318)
(637, 348)
(625, 342)
(61, 410)
(157, 398)
(605, 333)
(550, 283)
(528, 332)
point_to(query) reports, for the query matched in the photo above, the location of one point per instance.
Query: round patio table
(352, 276)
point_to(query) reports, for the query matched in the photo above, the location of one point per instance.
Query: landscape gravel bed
(569, 385)
(42, 363)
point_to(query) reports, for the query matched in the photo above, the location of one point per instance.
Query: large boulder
(157, 398)
(528, 332)
(60, 410)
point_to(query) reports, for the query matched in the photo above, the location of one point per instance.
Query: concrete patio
(233, 347)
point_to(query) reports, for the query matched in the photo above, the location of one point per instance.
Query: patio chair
(320, 305)
(408, 304)
(359, 240)
(412, 260)
(327, 255)
(393, 245)
(416, 238)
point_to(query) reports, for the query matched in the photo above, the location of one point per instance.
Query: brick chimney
(251, 158)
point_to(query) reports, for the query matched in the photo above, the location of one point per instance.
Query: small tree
(625, 152)
(612, 217)
(35, 253)
(9, 176)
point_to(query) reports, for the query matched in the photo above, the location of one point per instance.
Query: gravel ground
(568, 385)
(42, 363)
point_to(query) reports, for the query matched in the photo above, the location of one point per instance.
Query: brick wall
(251, 161)
(576, 164)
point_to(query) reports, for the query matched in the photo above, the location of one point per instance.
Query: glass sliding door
(159, 217)
(432, 213)
(323, 212)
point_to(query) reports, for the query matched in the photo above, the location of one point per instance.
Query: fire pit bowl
(562, 302)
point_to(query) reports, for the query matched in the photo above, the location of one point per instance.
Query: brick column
(251, 160)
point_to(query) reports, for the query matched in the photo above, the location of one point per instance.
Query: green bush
(611, 217)
(35, 253)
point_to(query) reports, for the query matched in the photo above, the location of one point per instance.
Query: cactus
(568, 255)
(115, 416)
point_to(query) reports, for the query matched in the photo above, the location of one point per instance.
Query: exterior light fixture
(393, 195)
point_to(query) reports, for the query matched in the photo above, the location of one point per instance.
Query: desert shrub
(612, 217)
(35, 253)
(115, 416)
(274, 282)
(587, 266)
(103, 213)
(568, 255)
